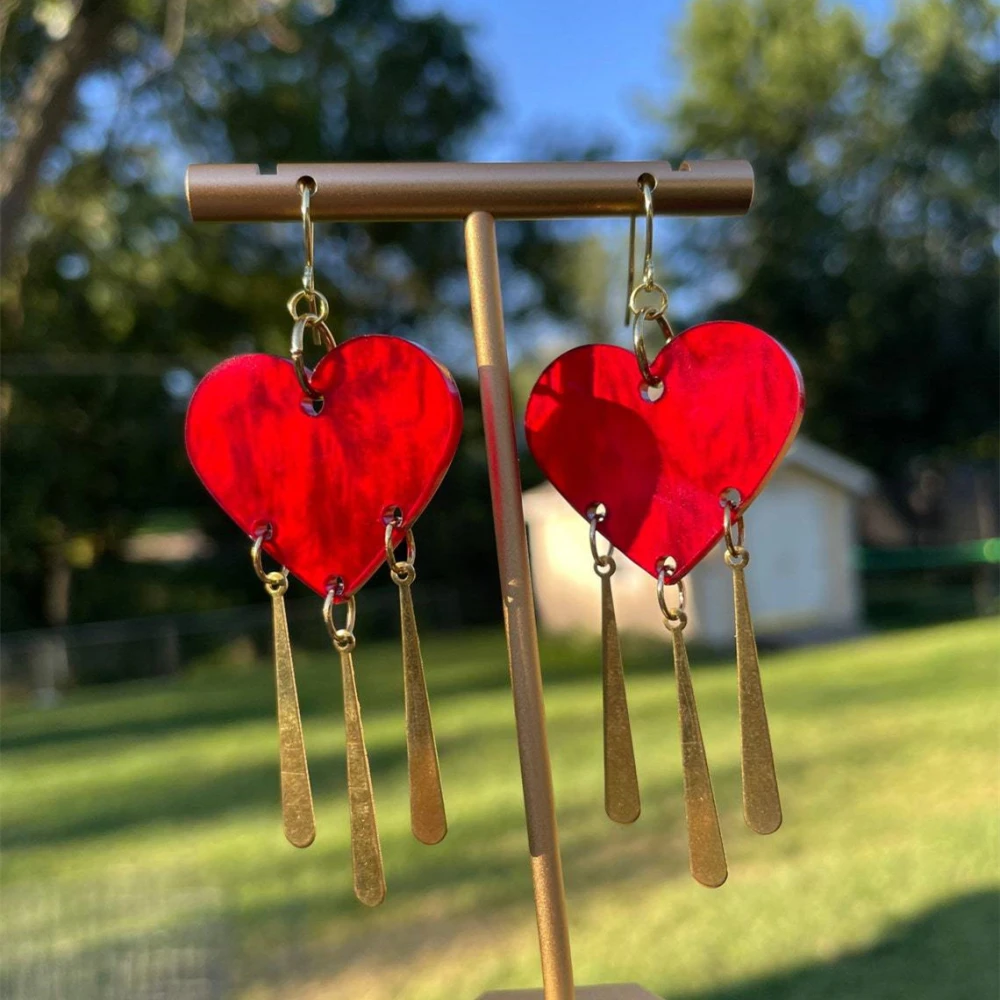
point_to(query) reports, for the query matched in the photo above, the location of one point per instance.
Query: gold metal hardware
(366, 849)
(657, 309)
(298, 817)
(427, 815)
(706, 854)
(317, 305)
(761, 801)
(621, 784)
(297, 351)
(518, 605)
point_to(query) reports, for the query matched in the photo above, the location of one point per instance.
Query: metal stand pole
(518, 605)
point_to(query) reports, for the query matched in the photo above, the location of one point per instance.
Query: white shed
(803, 578)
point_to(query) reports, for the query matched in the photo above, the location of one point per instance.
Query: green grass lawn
(159, 803)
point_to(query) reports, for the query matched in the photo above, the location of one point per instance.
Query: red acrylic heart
(388, 429)
(732, 402)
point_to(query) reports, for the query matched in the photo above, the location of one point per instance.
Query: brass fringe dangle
(706, 855)
(761, 803)
(366, 850)
(297, 814)
(621, 785)
(427, 816)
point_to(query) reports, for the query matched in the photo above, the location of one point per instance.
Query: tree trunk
(43, 108)
(50, 662)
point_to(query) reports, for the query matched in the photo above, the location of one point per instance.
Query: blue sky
(577, 68)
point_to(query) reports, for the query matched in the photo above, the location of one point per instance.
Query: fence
(45, 661)
(913, 586)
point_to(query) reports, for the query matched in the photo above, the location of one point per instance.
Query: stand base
(620, 991)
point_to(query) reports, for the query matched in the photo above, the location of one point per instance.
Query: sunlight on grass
(886, 749)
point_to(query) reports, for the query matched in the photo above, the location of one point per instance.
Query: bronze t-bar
(480, 193)
(395, 192)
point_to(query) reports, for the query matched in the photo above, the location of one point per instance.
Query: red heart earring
(648, 456)
(327, 471)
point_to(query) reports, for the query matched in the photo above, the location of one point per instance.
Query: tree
(111, 298)
(869, 247)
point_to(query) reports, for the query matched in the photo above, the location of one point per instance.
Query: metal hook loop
(639, 345)
(317, 305)
(604, 565)
(298, 348)
(402, 570)
(275, 581)
(343, 638)
(735, 555)
(673, 618)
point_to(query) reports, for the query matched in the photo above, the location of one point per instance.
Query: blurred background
(142, 852)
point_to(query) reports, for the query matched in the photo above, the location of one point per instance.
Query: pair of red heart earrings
(328, 470)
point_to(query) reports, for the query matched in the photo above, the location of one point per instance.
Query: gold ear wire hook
(648, 183)
(646, 186)
(654, 309)
(317, 308)
(306, 188)
(631, 269)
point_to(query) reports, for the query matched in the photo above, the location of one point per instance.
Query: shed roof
(827, 464)
(810, 457)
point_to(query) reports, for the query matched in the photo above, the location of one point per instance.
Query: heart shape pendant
(732, 401)
(386, 432)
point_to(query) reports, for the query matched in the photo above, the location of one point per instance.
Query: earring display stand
(480, 194)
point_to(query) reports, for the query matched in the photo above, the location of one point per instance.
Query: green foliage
(869, 247)
(881, 883)
(109, 292)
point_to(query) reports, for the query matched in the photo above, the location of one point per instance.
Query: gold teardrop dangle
(761, 803)
(366, 849)
(706, 854)
(621, 784)
(298, 818)
(427, 816)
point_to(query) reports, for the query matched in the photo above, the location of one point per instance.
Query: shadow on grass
(192, 797)
(948, 953)
(457, 665)
(482, 871)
